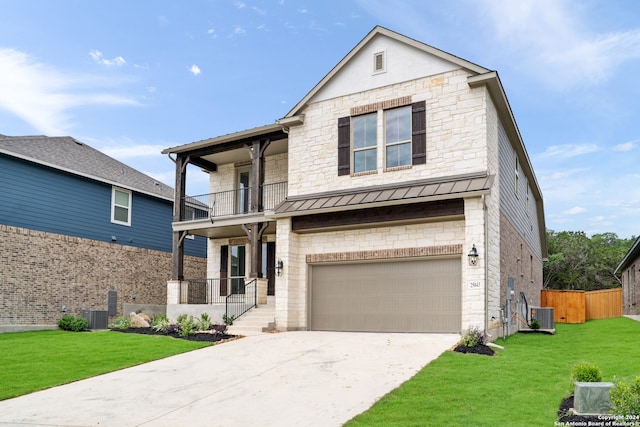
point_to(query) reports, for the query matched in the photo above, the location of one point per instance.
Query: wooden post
(177, 254)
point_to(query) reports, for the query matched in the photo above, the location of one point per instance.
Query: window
(398, 137)
(365, 139)
(404, 142)
(121, 206)
(379, 65)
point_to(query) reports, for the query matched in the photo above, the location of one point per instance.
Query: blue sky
(131, 78)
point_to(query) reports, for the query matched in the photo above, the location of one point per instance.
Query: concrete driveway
(286, 379)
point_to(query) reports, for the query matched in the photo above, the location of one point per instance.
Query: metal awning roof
(385, 195)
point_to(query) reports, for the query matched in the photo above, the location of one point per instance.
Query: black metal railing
(232, 202)
(210, 291)
(240, 303)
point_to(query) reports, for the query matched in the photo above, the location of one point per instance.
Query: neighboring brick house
(371, 196)
(76, 224)
(629, 269)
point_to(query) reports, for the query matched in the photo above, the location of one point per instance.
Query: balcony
(232, 203)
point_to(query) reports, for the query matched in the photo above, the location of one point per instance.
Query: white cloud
(626, 146)
(239, 4)
(553, 40)
(237, 31)
(98, 58)
(263, 27)
(43, 96)
(568, 150)
(576, 210)
(195, 70)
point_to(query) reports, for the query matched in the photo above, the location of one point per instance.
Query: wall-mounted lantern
(473, 256)
(279, 267)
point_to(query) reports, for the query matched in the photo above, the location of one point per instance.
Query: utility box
(97, 319)
(544, 315)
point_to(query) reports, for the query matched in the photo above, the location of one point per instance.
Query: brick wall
(40, 272)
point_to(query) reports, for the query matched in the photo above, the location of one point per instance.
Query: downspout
(486, 265)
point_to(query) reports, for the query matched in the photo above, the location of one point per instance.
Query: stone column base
(173, 292)
(262, 291)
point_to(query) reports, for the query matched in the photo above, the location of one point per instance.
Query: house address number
(474, 285)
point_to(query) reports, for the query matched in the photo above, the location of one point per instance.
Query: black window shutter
(344, 146)
(224, 263)
(419, 133)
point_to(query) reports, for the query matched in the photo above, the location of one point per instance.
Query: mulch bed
(201, 336)
(566, 415)
(477, 349)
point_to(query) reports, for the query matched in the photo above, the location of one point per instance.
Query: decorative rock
(138, 321)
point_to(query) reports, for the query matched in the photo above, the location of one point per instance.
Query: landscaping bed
(209, 336)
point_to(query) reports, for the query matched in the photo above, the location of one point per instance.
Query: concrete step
(255, 321)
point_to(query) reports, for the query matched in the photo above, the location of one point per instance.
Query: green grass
(31, 361)
(522, 385)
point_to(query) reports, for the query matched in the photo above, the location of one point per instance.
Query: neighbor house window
(365, 138)
(397, 125)
(120, 206)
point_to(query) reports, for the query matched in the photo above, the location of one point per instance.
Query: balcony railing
(232, 202)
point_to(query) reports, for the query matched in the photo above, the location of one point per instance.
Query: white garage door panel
(399, 296)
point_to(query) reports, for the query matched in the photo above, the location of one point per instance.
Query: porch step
(255, 321)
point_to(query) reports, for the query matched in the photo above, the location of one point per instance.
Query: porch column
(255, 231)
(177, 253)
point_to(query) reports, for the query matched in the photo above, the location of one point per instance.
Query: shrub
(625, 396)
(204, 322)
(73, 323)
(160, 323)
(535, 324)
(472, 337)
(228, 320)
(585, 372)
(220, 329)
(122, 322)
(187, 325)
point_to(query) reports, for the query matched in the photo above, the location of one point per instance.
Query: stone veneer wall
(40, 272)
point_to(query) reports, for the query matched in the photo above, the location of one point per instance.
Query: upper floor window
(365, 139)
(398, 137)
(403, 142)
(120, 206)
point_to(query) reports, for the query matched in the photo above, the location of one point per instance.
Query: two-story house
(80, 230)
(397, 195)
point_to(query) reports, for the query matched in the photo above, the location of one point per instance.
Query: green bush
(160, 323)
(535, 324)
(625, 396)
(472, 337)
(228, 320)
(73, 323)
(585, 372)
(122, 322)
(187, 325)
(204, 323)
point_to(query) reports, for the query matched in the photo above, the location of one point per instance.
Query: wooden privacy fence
(580, 306)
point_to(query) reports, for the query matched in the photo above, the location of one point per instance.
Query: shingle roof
(410, 192)
(70, 155)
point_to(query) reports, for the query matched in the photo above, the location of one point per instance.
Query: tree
(576, 261)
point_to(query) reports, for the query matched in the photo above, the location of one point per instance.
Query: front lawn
(522, 385)
(32, 361)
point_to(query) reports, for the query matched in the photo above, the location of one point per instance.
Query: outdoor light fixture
(473, 256)
(63, 308)
(279, 266)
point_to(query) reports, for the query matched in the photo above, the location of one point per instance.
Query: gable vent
(379, 64)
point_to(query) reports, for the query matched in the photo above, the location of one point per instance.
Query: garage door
(398, 296)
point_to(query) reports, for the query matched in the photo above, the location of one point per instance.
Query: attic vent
(379, 65)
